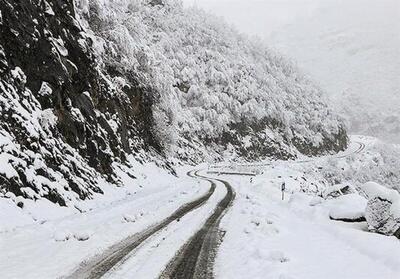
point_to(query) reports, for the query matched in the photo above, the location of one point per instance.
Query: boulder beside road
(383, 209)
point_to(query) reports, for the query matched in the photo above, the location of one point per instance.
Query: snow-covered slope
(378, 162)
(349, 47)
(85, 96)
(216, 88)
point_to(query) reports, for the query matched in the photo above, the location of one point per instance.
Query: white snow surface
(270, 238)
(373, 190)
(266, 237)
(61, 238)
(350, 207)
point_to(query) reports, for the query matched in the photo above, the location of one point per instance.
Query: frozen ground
(265, 236)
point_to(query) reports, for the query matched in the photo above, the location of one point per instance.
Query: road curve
(101, 264)
(195, 259)
(360, 149)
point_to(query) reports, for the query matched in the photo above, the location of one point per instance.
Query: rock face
(380, 219)
(383, 209)
(62, 117)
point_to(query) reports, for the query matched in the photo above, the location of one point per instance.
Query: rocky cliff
(63, 119)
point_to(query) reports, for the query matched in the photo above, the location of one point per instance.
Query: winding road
(194, 260)
(360, 148)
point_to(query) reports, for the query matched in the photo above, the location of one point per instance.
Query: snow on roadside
(265, 236)
(347, 207)
(295, 238)
(56, 245)
(383, 209)
(374, 190)
(12, 216)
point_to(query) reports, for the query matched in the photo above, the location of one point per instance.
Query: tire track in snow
(358, 151)
(101, 264)
(196, 258)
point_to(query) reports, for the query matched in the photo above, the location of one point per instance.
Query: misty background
(349, 47)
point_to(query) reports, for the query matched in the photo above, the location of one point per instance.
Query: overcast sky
(260, 17)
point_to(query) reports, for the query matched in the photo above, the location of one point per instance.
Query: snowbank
(373, 190)
(12, 216)
(348, 208)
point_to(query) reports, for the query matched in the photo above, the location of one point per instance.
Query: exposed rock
(383, 209)
(379, 217)
(56, 105)
(348, 220)
(338, 190)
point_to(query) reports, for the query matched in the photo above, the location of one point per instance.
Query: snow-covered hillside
(350, 48)
(216, 88)
(84, 95)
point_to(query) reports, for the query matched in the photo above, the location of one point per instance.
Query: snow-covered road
(51, 249)
(196, 258)
(138, 235)
(193, 257)
(172, 230)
